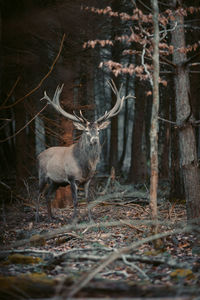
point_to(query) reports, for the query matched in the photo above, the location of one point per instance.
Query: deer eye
(87, 131)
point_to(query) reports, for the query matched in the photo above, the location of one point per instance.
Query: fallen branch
(76, 254)
(132, 265)
(86, 278)
(69, 228)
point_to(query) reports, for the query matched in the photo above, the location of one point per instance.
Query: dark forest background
(31, 37)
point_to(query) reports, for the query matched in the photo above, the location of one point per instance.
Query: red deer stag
(60, 166)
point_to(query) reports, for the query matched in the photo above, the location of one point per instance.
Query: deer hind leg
(74, 195)
(87, 196)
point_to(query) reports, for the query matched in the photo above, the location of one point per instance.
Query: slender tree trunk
(187, 142)
(21, 146)
(115, 5)
(164, 133)
(125, 127)
(154, 120)
(114, 138)
(176, 180)
(138, 170)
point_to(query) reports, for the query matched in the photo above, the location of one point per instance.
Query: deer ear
(79, 126)
(104, 125)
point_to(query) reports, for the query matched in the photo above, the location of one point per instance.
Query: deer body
(60, 166)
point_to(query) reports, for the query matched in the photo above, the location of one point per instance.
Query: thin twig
(131, 264)
(131, 226)
(167, 61)
(41, 81)
(11, 91)
(16, 133)
(144, 65)
(167, 121)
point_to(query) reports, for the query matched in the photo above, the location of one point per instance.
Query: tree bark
(154, 120)
(164, 132)
(21, 146)
(114, 139)
(115, 5)
(125, 128)
(138, 170)
(176, 178)
(187, 142)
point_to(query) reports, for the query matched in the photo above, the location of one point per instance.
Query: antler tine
(82, 116)
(46, 97)
(81, 120)
(118, 105)
(56, 104)
(112, 84)
(57, 93)
(112, 114)
(102, 117)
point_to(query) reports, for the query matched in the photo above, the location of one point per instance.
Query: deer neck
(87, 157)
(87, 151)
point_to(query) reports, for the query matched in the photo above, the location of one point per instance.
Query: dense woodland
(83, 44)
(31, 37)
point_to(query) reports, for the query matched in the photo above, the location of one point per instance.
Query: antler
(118, 105)
(56, 104)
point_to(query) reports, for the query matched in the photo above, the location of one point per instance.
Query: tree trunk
(21, 146)
(115, 5)
(138, 170)
(176, 178)
(164, 132)
(187, 142)
(114, 138)
(125, 128)
(154, 120)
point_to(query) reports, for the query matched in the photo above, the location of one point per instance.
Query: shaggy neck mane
(87, 155)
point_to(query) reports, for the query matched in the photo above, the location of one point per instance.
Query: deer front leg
(42, 189)
(37, 208)
(74, 196)
(51, 189)
(87, 196)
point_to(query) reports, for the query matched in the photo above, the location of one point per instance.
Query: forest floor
(113, 257)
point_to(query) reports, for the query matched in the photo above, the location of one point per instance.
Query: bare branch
(144, 65)
(10, 92)
(167, 121)
(41, 81)
(133, 265)
(16, 133)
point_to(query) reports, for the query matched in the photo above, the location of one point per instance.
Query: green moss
(23, 259)
(37, 277)
(37, 240)
(34, 285)
(153, 252)
(182, 273)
